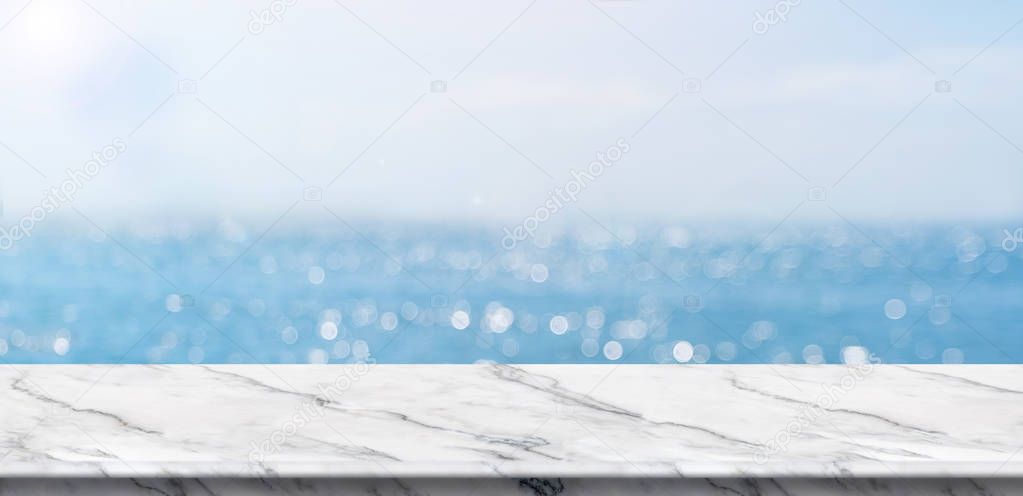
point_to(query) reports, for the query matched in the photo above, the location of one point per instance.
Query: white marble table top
(513, 421)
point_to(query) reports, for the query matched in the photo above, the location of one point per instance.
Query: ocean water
(231, 292)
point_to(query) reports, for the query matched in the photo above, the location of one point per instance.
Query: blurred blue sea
(404, 293)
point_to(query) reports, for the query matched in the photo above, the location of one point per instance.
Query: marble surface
(473, 421)
(512, 487)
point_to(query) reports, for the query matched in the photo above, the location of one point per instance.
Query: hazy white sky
(331, 86)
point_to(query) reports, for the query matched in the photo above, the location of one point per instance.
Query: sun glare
(51, 28)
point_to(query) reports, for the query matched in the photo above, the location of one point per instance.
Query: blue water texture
(403, 292)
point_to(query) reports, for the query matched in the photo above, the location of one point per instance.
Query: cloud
(320, 89)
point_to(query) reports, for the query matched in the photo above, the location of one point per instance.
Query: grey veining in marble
(583, 421)
(512, 487)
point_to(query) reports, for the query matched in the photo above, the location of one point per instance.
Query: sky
(226, 111)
